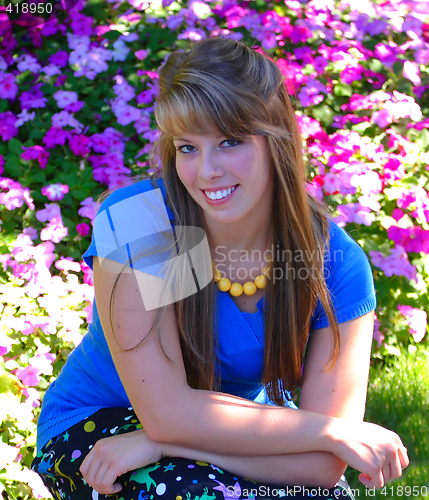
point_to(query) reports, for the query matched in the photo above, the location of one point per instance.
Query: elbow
(331, 471)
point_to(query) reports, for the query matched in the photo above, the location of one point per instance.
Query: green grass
(398, 399)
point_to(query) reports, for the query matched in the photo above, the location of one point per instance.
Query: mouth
(219, 196)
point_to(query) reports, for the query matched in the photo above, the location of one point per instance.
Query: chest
(247, 303)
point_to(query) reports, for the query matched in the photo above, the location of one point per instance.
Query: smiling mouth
(220, 195)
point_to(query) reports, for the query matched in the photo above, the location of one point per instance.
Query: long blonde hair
(222, 85)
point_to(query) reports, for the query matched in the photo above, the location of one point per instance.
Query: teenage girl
(182, 388)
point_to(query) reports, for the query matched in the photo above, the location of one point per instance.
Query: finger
(100, 483)
(396, 467)
(365, 480)
(403, 456)
(90, 475)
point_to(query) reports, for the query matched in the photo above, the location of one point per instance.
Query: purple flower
(311, 94)
(65, 97)
(83, 229)
(55, 192)
(7, 126)
(33, 98)
(55, 231)
(386, 53)
(81, 25)
(8, 87)
(36, 153)
(79, 145)
(193, 34)
(320, 64)
(74, 107)
(60, 58)
(300, 34)
(56, 136)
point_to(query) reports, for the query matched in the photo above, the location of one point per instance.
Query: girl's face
(228, 178)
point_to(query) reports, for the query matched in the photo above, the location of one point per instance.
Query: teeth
(218, 195)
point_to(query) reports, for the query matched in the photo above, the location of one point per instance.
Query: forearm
(226, 425)
(301, 469)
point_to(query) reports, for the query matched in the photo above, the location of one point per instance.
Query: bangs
(197, 110)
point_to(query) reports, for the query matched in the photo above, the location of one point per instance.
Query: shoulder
(343, 247)
(130, 191)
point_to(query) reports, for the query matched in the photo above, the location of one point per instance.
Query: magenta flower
(83, 229)
(56, 136)
(55, 192)
(141, 54)
(300, 34)
(65, 97)
(55, 231)
(377, 334)
(351, 74)
(99, 143)
(36, 153)
(87, 273)
(8, 87)
(79, 145)
(89, 208)
(7, 126)
(416, 319)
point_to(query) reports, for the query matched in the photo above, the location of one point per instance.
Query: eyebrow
(188, 140)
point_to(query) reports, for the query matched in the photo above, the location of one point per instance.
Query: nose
(209, 165)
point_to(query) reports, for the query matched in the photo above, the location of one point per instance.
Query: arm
(171, 412)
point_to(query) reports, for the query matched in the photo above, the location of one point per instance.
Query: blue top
(89, 380)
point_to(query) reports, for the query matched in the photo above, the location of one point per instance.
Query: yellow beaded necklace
(236, 289)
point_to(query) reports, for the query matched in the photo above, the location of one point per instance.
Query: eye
(231, 142)
(185, 149)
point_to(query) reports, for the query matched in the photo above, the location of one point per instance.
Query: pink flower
(65, 97)
(7, 126)
(48, 213)
(30, 375)
(56, 136)
(87, 273)
(15, 196)
(351, 74)
(32, 396)
(79, 145)
(36, 153)
(396, 263)
(397, 214)
(83, 229)
(416, 319)
(55, 192)
(54, 231)
(311, 93)
(67, 264)
(88, 208)
(8, 87)
(412, 72)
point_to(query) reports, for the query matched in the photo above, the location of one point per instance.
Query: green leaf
(423, 141)
(12, 166)
(112, 35)
(36, 134)
(15, 147)
(342, 89)
(323, 113)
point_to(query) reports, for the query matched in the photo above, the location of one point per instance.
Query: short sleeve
(130, 220)
(349, 280)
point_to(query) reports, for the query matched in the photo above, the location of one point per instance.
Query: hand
(375, 451)
(116, 455)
